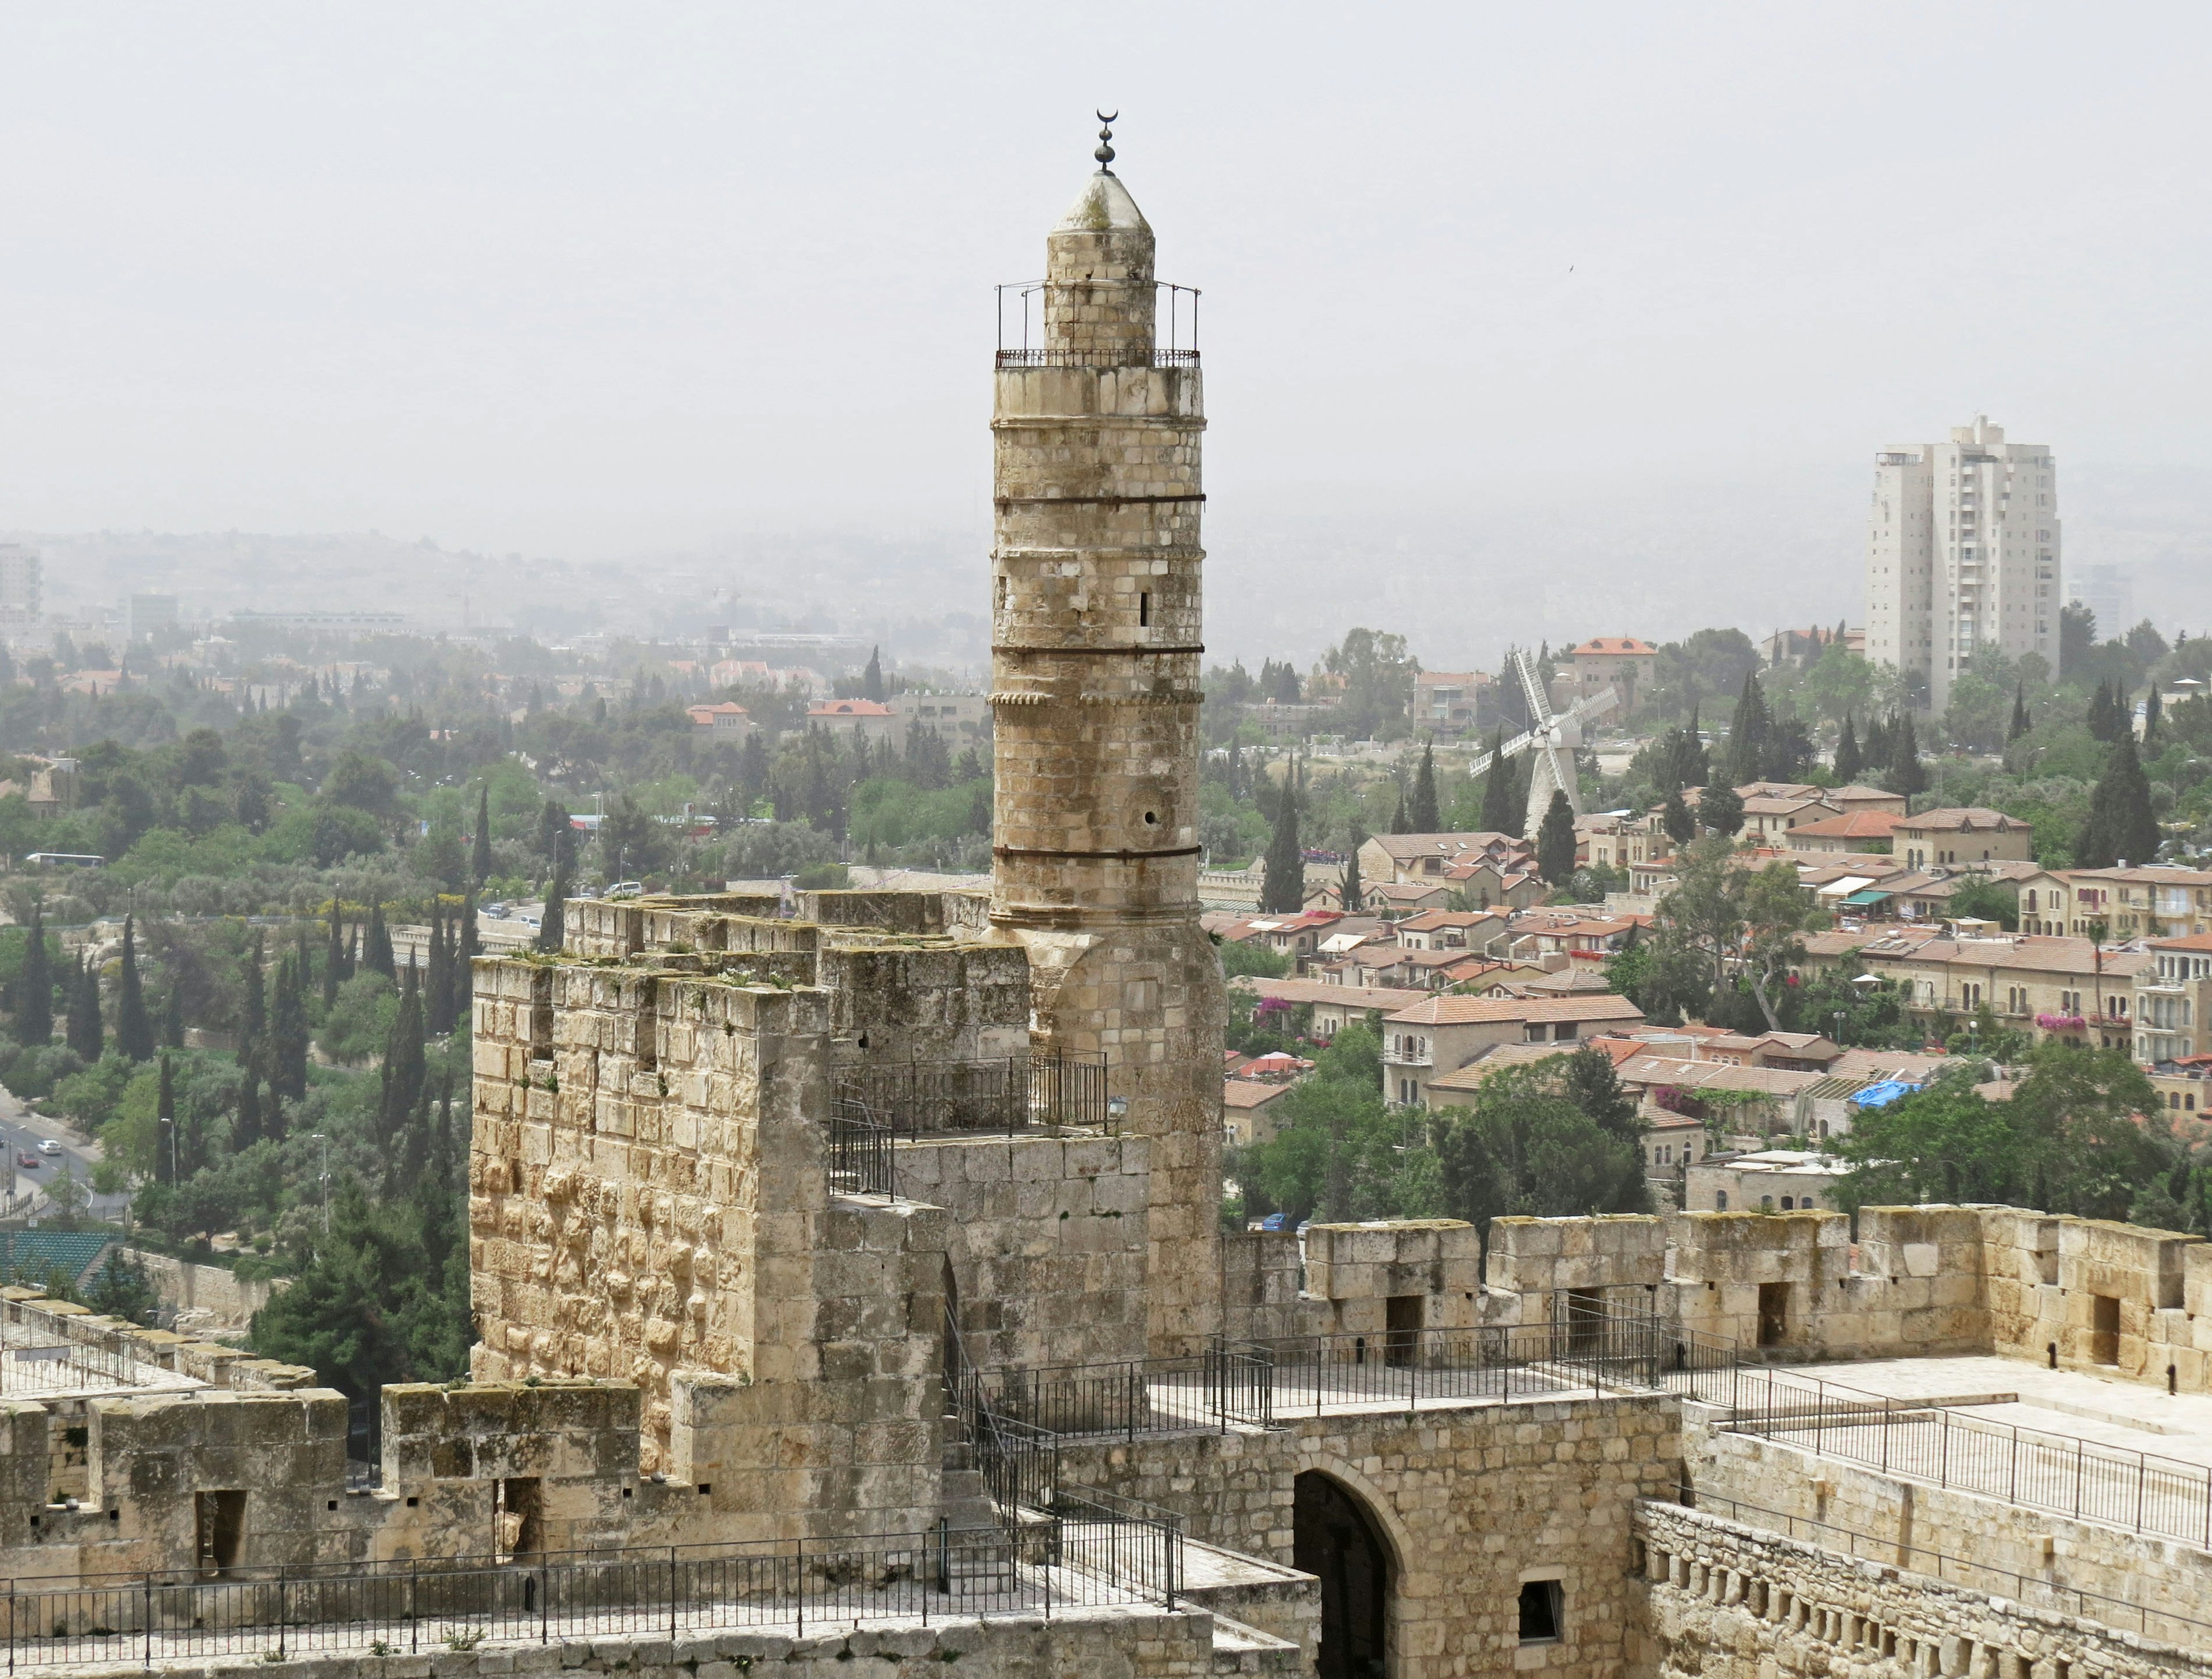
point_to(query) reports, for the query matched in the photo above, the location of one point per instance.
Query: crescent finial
(1105, 152)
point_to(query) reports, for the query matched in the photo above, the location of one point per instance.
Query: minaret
(1095, 694)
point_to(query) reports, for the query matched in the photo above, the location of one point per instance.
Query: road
(21, 1130)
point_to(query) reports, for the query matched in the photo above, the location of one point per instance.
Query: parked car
(1275, 1221)
(24, 1157)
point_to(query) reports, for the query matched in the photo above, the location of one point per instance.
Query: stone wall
(1263, 1284)
(215, 1296)
(2008, 1549)
(1047, 1239)
(1468, 1501)
(1359, 1268)
(1723, 1601)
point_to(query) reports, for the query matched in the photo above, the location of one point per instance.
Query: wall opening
(520, 1518)
(1402, 1319)
(1585, 1310)
(1336, 1541)
(1773, 1313)
(220, 1519)
(2054, 1355)
(541, 1014)
(1541, 1619)
(2103, 1329)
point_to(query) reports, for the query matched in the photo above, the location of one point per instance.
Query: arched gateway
(1338, 1541)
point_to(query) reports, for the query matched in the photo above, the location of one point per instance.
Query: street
(21, 1131)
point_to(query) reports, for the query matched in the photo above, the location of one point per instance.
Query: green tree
(1720, 810)
(1501, 812)
(480, 849)
(1705, 907)
(120, 1288)
(1906, 774)
(1525, 1148)
(2120, 823)
(1848, 761)
(1747, 730)
(85, 1035)
(134, 1029)
(34, 986)
(1676, 821)
(550, 936)
(287, 1058)
(1353, 894)
(1283, 884)
(1984, 899)
(1663, 974)
(1339, 1152)
(1421, 809)
(1555, 841)
(403, 1065)
(2020, 722)
(1776, 909)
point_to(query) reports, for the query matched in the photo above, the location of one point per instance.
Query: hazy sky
(596, 280)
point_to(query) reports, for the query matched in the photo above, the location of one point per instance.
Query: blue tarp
(1881, 1095)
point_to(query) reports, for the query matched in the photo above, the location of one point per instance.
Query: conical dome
(1103, 206)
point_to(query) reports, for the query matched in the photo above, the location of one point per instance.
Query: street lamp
(325, 1142)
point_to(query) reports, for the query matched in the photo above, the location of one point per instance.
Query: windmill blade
(1539, 705)
(1513, 748)
(1593, 706)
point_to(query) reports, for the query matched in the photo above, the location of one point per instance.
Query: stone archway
(1339, 1541)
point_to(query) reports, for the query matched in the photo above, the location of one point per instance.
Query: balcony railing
(1091, 358)
(872, 1108)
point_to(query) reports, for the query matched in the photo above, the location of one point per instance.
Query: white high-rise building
(1962, 554)
(21, 595)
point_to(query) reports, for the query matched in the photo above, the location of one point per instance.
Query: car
(1275, 1221)
(48, 1146)
(24, 1157)
(626, 889)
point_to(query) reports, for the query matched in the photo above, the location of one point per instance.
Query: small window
(1540, 1612)
(1144, 610)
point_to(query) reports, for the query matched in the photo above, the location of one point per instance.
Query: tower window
(1145, 609)
(1152, 819)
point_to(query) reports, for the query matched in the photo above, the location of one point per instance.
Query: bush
(360, 1020)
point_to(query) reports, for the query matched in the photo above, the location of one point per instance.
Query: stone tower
(1096, 595)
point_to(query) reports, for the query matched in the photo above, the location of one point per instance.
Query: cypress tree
(2019, 724)
(1499, 815)
(1283, 888)
(1423, 812)
(2120, 824)
(287, 1031)
(1354, 895)
(254, 1033)
(165, 1126)
(333, 958)
(1907, 775)
(1555, 841)
(376, 948)
(404, 1066)
(480, 853)
(85, 1035)
(245, 1125)
(435, 1200)
(35, 990)
(871, 680)
(134, 1031)
(1676, 821)
(1848, 761)
(1746, 747)
(551, 934)
(1400, 821)
(438, 978)
(173, 1016)
(414, 1146)
(2151, 716)
(274, 1124)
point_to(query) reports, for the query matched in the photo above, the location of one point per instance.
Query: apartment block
(1962, 554)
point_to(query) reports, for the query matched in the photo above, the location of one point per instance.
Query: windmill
(1553, 738)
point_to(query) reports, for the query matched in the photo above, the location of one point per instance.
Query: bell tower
(1096, 642)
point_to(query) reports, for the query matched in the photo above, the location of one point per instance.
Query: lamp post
(325, 1142)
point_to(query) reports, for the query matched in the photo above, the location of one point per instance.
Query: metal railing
(863, 1152)
(1229, 1381)
(1084, 1555)
(1901, 1553)
(1006, 1093)
(1092, 358)
(1926, 1441)
(51, 1352)
(1410, 1366)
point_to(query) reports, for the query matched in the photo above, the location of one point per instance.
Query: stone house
(1950, 838)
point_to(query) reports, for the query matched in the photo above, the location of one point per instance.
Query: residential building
(2052, 987)
(2108, 592)
(864, 720)
(1774, 1180)
(1865, 832)
(1962, 553)
(1948, 838)
(725, 720)
(144, 615)
(1334, 1006)
(1798, 648)
(1443, 1034)
(1622, 663)
(1426, 857)
(1614, 839)
(1768, 817)
(2153, 901)
(1245, 1115)
(1854, 798)
(964, 720)
(2173, 990)
(21, 584)
(1446, 701)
